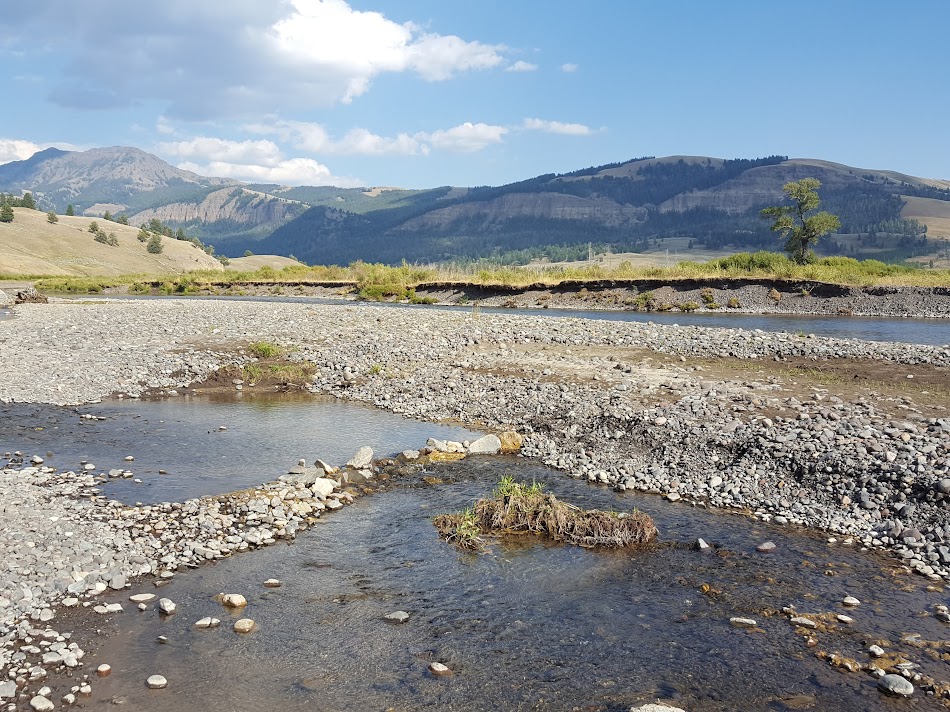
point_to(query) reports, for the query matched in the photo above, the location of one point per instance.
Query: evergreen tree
(70, 210)
(27, 201)
(107, 216)
(6, 213)
(154, 245)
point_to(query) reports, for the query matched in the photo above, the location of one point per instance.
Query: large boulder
(362, 459)
(488, 445)
(30, 296)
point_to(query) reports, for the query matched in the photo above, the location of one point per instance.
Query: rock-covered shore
(720, 417)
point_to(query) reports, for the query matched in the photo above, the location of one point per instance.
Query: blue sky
(420, 93)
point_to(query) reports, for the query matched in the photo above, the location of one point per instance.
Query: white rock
(208, 622)
(142, 597)
(103, 670)
(743, 622)
(487, 445)
(851, 601)
(41, 704)
(439, 669)
(233, 600)
(244, 625)
(362, 458)
(156, 682)
(397, 617)
(167, 606)
(272, 583)
(323, 487)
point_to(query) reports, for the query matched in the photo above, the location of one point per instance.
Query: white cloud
(569, 67)
(290, 53)
(13, 149)
(557, 127)
(293, 171)
(164, 126)
(223, 150)
(250, 160)
(466, 138)
(521, 66)
(314, 138)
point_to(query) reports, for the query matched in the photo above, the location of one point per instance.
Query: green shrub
(688, 306)
(266, 349)
(707, 296)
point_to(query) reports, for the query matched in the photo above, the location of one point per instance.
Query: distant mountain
(636, 205)
(141, 186)
(629, 206)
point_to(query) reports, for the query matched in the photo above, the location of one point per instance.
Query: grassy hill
(32, 246)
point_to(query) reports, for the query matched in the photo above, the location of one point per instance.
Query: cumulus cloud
(521, 66)
(569, 67)
(314, 138)
(466, 138)
(259, 161)
(208, 59)
(13, 149)
(293, 171)
(557, 127)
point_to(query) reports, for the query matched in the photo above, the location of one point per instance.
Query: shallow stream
(525, 626)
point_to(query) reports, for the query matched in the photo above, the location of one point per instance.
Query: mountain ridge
(627, 205)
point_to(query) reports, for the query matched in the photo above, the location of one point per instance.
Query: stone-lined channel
(525, 626)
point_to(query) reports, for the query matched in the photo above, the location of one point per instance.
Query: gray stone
(896, 685)
(743, 622)
(167, 606)
(363, 458)
(396, 617)
(766, 547)
(487, 445)
(156, 682)
(41, 704)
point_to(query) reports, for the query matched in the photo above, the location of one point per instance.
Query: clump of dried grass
(526, 509)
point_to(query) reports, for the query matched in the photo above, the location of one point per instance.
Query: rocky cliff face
(235, 205)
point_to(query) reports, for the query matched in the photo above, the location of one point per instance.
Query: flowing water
(264, 435)
(525, 626)
(934, 332)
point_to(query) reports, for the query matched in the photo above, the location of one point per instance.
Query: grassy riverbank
(376, 281)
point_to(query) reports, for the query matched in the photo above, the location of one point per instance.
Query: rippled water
(265, 434)
(527, 626)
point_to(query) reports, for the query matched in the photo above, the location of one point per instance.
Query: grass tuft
(520, 508)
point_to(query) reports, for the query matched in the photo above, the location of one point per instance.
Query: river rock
(207, 622)
(511, 442)
(876, 651)
(851, 601)
(142, 597)
(396, 617)
(244, 625)
(487, 445)
(766, 547)
(321, 465)
(743, 622)
(803, 622)
(156, 682)
(655, 707)
(167, 606)
(7, 689)
(363, 458)
(103, 670)
(272, 583)
(896, 685)
(323, 487)
(233, 600)
(439, 669)
(41, 704)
